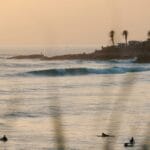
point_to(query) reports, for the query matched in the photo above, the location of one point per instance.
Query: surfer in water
(105, 135)
(131, 143)
(4, 138)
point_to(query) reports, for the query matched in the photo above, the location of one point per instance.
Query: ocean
(51, 105)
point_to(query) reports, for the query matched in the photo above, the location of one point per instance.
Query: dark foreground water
(75, 101)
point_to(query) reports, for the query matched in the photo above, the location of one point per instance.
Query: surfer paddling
(105, 135)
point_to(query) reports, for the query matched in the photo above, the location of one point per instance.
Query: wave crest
(86, 71)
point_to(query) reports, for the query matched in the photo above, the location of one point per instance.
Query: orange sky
(71, 22)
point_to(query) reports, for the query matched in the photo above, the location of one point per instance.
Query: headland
(138, 49)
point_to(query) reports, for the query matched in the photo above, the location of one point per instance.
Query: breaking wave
(86, 71)
(124, 60)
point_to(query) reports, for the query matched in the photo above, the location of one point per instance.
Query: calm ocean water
(75, 100)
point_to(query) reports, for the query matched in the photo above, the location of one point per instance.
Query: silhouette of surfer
(4, 138)
(105, 135)
(132, 141)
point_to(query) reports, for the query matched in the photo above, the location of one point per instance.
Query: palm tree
(125, 34)
(148, 34)
(111, 34)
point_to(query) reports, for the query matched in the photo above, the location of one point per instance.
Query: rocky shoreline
(140, 50)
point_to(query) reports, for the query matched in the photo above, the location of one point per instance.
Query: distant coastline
(138, 49)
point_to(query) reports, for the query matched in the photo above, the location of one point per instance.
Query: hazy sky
(71, 22)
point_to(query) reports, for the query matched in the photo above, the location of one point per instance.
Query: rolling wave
(86, 71)
(124, 60)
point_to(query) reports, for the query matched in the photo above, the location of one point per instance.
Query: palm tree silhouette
(148, 34)
(111, 34)
(125, 34)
